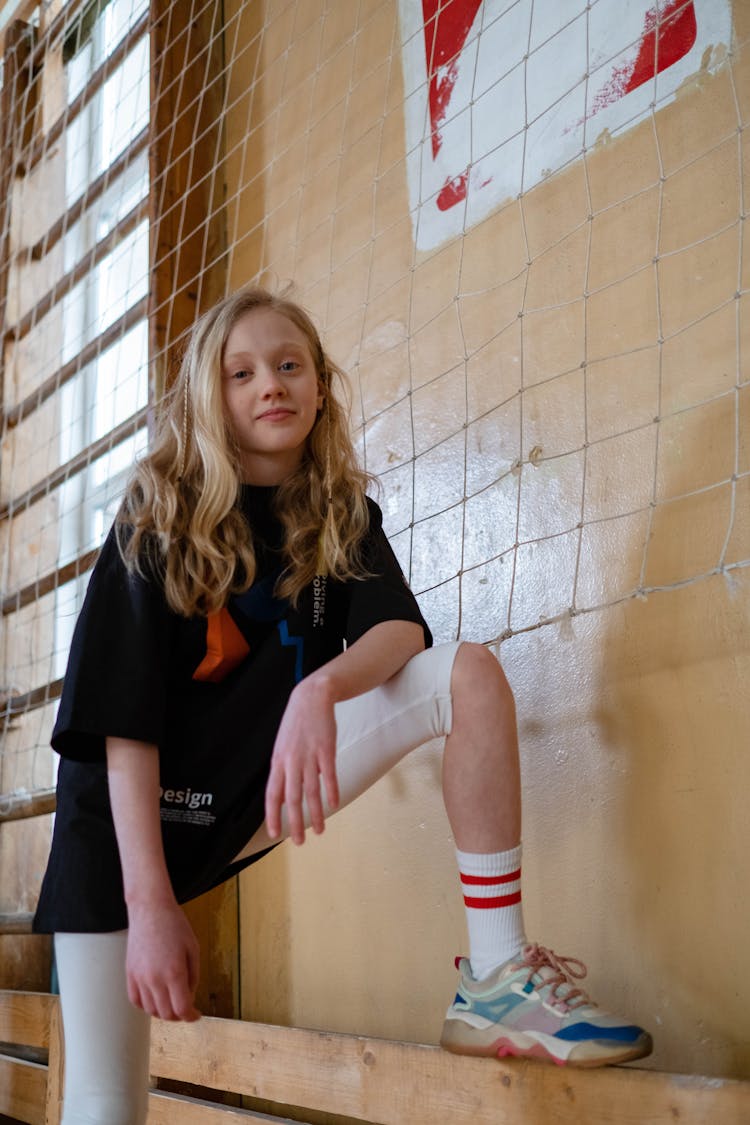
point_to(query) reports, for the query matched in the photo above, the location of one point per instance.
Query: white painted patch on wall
(499, 95)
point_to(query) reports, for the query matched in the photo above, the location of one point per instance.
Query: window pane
(116, 19)
(122, 195)
(109, 123)
(106, 293)
(89, 500)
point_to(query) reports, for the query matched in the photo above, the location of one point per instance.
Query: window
(74, 290)
(112, 238)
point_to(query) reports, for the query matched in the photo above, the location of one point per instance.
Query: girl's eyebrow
(242, 356)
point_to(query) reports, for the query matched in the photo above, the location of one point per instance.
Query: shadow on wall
(674, 690)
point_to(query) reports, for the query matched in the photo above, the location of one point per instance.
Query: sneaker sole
(461, 1039)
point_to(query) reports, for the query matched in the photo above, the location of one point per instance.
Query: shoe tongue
(546, 973)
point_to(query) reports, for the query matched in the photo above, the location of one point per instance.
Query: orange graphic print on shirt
(225, 648)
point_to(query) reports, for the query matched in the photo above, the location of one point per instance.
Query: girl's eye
(242, 374)
(288, 365)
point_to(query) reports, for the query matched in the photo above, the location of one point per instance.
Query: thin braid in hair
(185, 411)
(328, 520)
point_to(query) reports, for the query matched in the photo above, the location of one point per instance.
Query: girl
(248, 659)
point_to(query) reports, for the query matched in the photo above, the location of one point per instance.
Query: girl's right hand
(162, 962)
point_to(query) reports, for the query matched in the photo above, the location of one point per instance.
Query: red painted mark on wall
(669, 33)
(446, 26)
(667, 37)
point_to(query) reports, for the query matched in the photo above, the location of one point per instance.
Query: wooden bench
(374, 1080)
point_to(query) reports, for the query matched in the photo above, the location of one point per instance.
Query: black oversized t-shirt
(138, 670)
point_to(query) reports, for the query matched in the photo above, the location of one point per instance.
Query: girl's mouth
(278, 414)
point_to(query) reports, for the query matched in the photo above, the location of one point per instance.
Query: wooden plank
(174, 1109)
(76, 464)
(18, 923)
(30, 700)
(55, 1069)
(82, 268)
(88, 198)
(390, 1083)
(46, 583)
(22, 1090)
(25, 1018)
(91, 351)
(15, 806)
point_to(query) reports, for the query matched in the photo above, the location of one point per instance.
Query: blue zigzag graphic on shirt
(294, 642)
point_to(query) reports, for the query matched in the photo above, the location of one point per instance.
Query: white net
(518, 225)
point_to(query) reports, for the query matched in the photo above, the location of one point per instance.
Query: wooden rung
(16, 923)
(392, 1083)
(23, 1088)
(171, 1109)
(16, 806)
(82, 460)
(375, 1080)
(85, 265)
(25, 1018)
(45, 584)
(91, 194)
(90, 352)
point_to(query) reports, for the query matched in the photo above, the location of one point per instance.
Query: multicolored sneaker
(533, 1007)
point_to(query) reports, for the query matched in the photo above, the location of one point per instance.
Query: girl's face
(271, 394)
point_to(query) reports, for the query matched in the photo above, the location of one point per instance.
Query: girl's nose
(271, 384)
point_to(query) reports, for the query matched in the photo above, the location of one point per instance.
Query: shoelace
(565, 971)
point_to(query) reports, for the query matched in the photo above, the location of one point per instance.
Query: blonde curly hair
(180, 511)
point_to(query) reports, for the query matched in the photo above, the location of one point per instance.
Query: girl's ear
(321, 395)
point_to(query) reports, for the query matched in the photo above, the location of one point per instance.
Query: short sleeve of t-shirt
(115, 683)
(384, 595)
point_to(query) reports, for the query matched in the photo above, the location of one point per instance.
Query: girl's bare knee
(478, 673)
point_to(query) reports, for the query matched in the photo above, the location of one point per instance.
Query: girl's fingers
(166, 1000)
(138, 998)
(180, 1001)
(274, 798)
(330, 781)
(151, 1002)
(313, 799)
(293, 799)
(286, 785)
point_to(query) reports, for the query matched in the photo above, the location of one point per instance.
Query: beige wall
(612, 420)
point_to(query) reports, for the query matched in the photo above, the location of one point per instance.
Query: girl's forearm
(305, 749)
(133, 771)
(374, 658)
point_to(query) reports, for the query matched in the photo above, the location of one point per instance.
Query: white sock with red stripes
(491, 885)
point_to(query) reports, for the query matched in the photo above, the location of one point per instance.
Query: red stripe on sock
(493, 903)
(490, 880)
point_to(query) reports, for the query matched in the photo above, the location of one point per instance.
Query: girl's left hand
(304, 752)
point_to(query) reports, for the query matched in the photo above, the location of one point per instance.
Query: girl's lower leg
(481, 772)
(482, 791)
(106, 1038)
